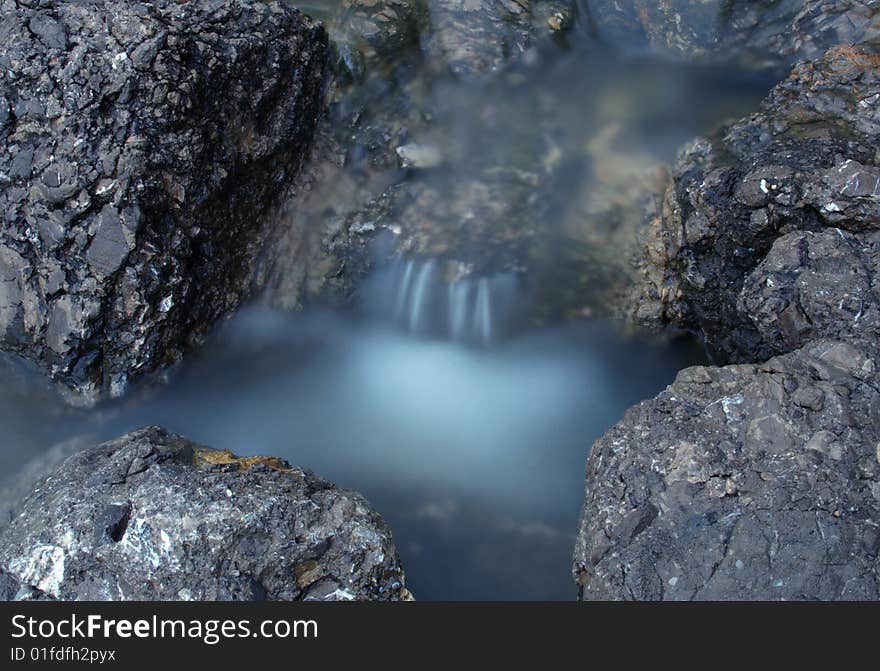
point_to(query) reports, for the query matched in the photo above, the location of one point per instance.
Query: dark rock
(746, 482)
(769, 32)
(807, 162)
(153, 516)
(476, 36)
(467, 37)
(142, 162)
(381, 28)
(815, 284)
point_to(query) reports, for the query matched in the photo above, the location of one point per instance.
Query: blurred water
(475, 456)
(466, 425)
(429, 297)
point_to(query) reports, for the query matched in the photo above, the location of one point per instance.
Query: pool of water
(473, 454)
(463, 406)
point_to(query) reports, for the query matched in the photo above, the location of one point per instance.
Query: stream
(457, 406)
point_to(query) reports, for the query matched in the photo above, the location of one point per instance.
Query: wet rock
(729, 255)
(14, 490)
(142, 163)
(467, 37)
(746, 482)
(380, 28)
(153, 516)
(477, 36)
(768, 32)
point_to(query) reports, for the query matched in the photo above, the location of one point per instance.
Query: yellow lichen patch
(307, 573)
(228, 458)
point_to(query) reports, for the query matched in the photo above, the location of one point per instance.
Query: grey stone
(738, 483)
(812, 285)
(153, 516)
(110, 245)
(807, 162)
(148, 159)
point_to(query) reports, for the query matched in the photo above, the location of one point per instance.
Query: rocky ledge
(758, 480)
(768, 232)
(144, 146)
(154, 516)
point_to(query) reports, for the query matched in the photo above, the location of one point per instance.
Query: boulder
(154, 516)
(144, 146)
(746, 482)
(821, 284)
(767, 32)
(766, 215)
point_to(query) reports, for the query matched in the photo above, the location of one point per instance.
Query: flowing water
(437, 393)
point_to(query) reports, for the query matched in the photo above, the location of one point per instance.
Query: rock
(380, 28)
(141, 164)
(11, 589)
(763, 215)
(477, 36)
(746, 482)
(153, 516)
(419, 156)
(768, 32)
(812, 285)
(467, 37)
(14, 489)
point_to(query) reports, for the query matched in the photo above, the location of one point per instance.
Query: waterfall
(415, 295)
(420, 300)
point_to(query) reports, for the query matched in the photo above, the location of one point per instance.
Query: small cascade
(418, 296)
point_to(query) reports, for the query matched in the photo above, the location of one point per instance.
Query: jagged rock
(770, 32)
(14, 489)
(815, 284)
(380, 28)
(746, 482)
(12, 589)
(153, 516)
(469, 37)
(142, 157)
(807, 162)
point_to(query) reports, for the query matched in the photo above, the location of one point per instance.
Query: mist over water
(439, 398)
(474, 455)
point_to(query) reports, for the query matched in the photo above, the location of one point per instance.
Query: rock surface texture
(758, 480)
(745, 482)
(143, 146)
(768, 232)
(766, 31)
(153, 516)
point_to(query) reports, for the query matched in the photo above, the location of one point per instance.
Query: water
(474, 455)
(462, 389)
(431, 298)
